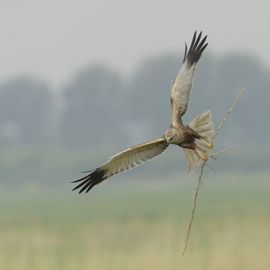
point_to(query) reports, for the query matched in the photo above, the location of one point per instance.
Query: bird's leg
(209, 145)
(196, 148)
(200, 155)
(188, 145)
(196, 135)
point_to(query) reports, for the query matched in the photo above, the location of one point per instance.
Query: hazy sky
(53, 39)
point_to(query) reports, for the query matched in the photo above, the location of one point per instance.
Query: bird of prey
(195, 138)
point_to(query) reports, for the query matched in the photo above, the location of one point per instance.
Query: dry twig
(214, 156)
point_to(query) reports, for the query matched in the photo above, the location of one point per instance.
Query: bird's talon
(204, 158)
(210, 145)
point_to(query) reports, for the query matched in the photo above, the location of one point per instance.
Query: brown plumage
(195, 138)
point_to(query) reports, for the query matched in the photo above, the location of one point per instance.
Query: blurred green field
(139, 225)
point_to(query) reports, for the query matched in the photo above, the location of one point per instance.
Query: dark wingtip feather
(185, 54)
(87, 182)
(196, 48)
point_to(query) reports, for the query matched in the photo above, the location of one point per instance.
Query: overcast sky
(53, 39)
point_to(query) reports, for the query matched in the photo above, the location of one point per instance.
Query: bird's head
(172, 135)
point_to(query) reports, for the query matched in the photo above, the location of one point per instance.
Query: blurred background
(82, 80)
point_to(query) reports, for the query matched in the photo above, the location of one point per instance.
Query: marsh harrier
(195, 138)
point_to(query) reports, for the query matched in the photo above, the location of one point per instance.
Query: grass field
(133, 225)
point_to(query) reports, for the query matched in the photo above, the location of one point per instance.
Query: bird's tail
(204, 126)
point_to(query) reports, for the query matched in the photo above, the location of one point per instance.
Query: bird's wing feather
(126, 160)
(181, 89)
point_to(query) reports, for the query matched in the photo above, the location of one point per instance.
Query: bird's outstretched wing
(126, 160)
(181, 90)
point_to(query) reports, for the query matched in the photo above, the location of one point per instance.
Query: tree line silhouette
(98, 106)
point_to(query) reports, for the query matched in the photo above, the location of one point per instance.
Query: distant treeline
(100, 107)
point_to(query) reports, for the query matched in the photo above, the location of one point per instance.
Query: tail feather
(202, 124)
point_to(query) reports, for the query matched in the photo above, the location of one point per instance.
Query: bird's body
(195, 138)
(182, 136)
